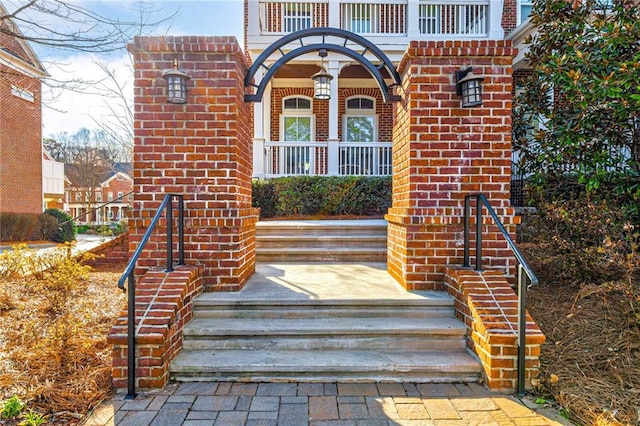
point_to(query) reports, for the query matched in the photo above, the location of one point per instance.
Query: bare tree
(69, 25)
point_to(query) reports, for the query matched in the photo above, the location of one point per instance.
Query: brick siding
(20, 140)
(443, 152)
(201, 149)
(487, 305)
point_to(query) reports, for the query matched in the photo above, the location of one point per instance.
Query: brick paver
(319, 404)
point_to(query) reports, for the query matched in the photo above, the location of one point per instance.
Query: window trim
(349, 113)
(24, 94)
(298, 112)
(521, 3)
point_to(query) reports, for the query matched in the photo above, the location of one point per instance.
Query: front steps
(321, 241)
(267, 334)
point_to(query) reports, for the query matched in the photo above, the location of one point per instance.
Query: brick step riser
(423, 343)
(313, 313)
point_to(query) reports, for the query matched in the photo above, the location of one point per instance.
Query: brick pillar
(442, 152)
(201, 149)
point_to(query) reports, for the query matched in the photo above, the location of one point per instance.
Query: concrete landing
(320, 281)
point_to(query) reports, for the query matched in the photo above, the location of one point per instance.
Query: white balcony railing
(434, 18)
(312, 158)
(376, 18)
(462, 18)
(282, 17)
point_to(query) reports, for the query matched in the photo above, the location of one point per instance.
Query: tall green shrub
(322, 195)
(66, 230)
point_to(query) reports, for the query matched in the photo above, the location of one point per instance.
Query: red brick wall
(509, 15)
(165, 303)
(20, 144)
(201, 149)
(487, 305)
(443, 152)
(384, 111)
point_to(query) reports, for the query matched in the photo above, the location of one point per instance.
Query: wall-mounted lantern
(469, 87)
(322, 80)
(176, 84)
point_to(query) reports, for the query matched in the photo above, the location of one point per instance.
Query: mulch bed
(62, 373)
(593, 347)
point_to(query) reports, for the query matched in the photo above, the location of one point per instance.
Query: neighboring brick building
(21, 157)
(112, 187)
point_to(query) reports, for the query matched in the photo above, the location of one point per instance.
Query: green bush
(66, 230)
(322, 195)
(82, 229)
(18, 226)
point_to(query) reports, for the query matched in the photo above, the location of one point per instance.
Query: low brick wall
(488, 306)
(113, 251)
(163, 307)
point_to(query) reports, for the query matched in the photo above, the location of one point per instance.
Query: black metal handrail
(524, 270)
(128, 274)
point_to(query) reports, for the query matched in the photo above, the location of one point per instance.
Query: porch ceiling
(307, 70)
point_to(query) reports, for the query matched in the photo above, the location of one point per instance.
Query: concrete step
(324, 333)
(325, 365)
(321, 241)
(210, 305)
(321, 227)
(327, 241)
(321, 254)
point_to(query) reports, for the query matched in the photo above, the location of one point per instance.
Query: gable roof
(15, 51)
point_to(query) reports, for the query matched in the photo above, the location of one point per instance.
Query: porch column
(201, 149)
(259, 130)
(496, 32)
(333, 140)
(442, 152)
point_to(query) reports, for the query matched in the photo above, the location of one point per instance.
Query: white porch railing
(311, 158)
(434, 18)
(374, 17)
(357, 158)
(457, 18)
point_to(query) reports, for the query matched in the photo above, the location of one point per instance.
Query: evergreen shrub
(322, 196)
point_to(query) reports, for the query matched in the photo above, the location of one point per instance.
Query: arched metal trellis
(345, 37)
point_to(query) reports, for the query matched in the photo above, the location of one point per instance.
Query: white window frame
(349, 113)
(110, 196)
(519, 9)
(23, 93)
(298, 113)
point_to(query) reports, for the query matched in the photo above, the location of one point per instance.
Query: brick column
(201, 149)
(442, 152)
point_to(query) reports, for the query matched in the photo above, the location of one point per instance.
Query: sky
(69, 110)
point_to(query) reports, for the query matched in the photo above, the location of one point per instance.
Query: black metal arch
(374, 70)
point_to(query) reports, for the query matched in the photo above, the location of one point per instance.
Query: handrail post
(522, 327)
(467, 226)
(170, 235)
(478, 233)
(180, 230)
(131, 339)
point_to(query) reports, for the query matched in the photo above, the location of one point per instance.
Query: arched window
(360, 120)
(297, 120)
(296, 132)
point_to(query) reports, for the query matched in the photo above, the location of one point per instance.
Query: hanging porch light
(469, 87)
(322, 80)
(176, 84)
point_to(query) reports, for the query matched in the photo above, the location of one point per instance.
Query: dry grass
(58, 362)
(593, 347)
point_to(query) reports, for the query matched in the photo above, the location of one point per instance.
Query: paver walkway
(320, 404)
